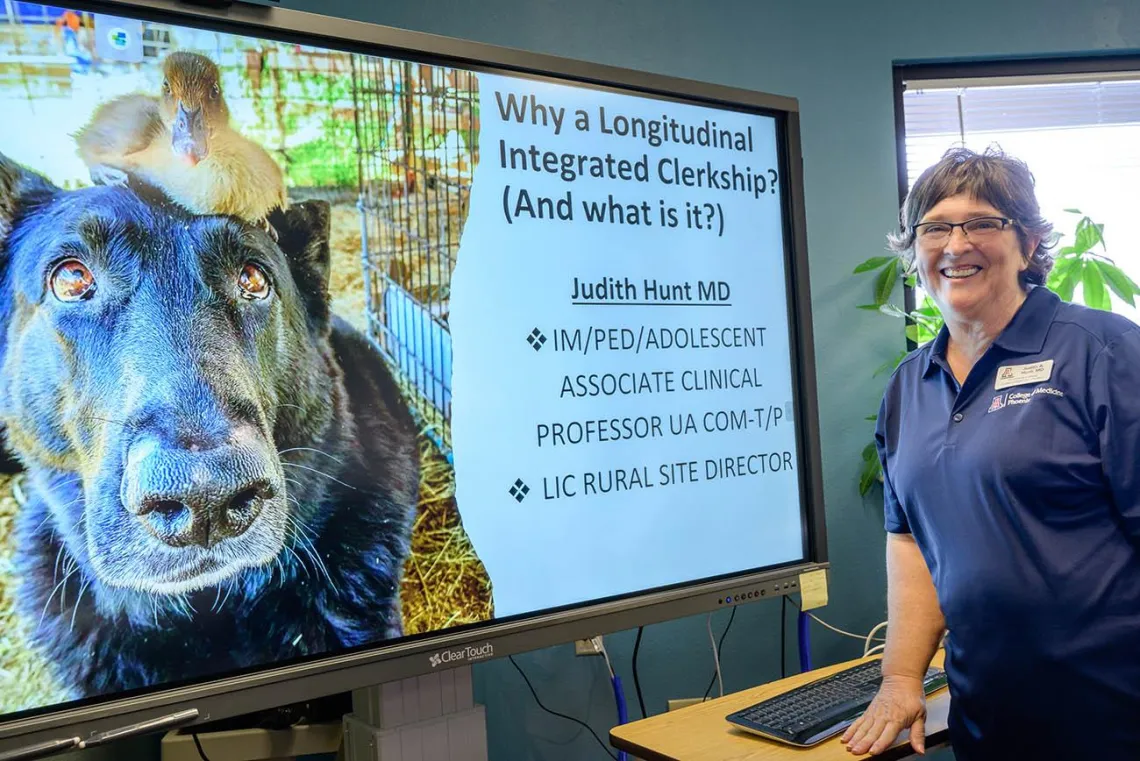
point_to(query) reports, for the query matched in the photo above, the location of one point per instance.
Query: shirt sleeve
(1114, 391)
(893, 516)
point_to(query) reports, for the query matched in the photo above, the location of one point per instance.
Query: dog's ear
(303, 235)
(18, 189)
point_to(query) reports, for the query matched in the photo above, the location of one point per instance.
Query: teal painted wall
(836, 58)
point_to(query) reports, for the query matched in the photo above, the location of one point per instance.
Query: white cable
(716, 657)
(873, 650)
(867, 642)
(600, 643)
(823, 623)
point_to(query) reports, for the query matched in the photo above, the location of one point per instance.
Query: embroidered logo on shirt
(1015, 398)
(1019, 375)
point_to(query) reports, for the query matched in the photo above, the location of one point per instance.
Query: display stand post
(426, 718)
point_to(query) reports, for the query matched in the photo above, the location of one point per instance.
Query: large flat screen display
(305, 351)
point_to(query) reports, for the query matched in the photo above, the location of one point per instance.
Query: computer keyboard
(818, 710)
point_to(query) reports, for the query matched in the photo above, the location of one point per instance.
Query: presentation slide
(622, 386)
(305, 351)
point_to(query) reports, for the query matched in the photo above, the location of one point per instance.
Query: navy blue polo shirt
(1022, 491)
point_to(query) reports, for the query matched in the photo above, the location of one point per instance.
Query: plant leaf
(1073, 211)
(1088, 235)
(1062, 266)
(870, 307)
(873, 264)
(888, 366)
(929, 321)
(871, 472)
(1094, 292)
(1065, 287)
(1118, 282)
(885, 283)
(892, 311)
(925, 337)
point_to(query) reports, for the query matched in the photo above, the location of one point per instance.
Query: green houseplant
(1076, 264)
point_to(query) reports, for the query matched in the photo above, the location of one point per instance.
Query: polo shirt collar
(937, 355)
(1025, 333)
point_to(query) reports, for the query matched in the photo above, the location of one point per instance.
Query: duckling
(183, 143)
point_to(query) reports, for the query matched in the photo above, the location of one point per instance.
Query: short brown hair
(1000, 180)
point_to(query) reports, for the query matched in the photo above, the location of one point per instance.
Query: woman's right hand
(900, 704)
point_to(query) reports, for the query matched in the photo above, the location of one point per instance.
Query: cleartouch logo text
(462, 655)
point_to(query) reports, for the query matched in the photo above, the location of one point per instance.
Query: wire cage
(417, 132)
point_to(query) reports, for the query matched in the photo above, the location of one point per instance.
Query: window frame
(903, 72)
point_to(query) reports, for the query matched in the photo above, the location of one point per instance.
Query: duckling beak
(190, 138)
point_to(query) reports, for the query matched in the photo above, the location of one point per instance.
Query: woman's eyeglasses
(930, 234)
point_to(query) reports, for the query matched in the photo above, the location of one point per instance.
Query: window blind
(937, 117)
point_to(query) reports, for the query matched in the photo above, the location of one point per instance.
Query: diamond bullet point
(536, 338)
(519, 490)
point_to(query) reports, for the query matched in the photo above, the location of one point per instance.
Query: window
(1079, 132)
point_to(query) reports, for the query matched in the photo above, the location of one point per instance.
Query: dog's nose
(193, 496)
(203, 516)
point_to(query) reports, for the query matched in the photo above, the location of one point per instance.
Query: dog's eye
(72, 281)
(253, 282)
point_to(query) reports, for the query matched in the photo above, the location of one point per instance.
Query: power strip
(679, 703)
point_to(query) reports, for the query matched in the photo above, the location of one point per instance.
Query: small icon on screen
(119, 38)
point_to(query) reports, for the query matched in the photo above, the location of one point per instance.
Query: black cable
(636, 680)
(605, 747)
(719, 647)
(783, 635)
(198, 745)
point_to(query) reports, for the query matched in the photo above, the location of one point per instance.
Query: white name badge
(1018, 375)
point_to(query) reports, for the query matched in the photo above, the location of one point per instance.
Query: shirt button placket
(952, 430)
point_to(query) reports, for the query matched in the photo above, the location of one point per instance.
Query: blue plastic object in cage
(421, 346)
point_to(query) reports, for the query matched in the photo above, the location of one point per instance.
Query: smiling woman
(972, 189)
(1008, 450)
(975, 278)
(973, 228)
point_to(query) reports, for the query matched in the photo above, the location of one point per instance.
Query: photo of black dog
(219, 473)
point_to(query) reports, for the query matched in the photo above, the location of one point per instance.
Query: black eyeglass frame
(1005, 222)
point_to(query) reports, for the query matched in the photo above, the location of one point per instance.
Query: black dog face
(144, 364)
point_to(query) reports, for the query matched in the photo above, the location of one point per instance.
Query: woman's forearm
(914, 618)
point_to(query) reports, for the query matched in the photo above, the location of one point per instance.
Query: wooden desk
(700, 733)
